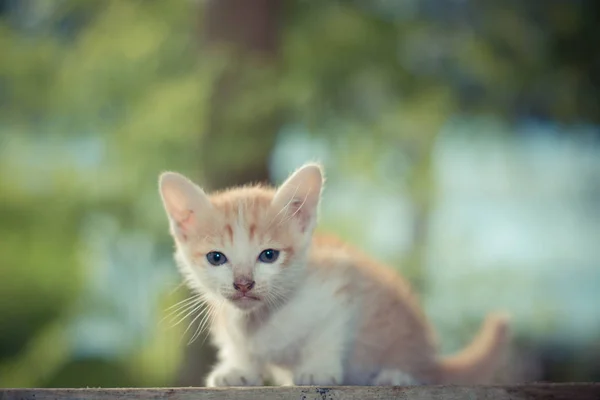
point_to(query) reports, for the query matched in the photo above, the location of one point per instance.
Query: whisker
(204, 323)
(196, 332)
(176, 288)
(214, 313)
(295, 212)
(196, 308)
(187, 300)
(193, 320)
(200, 327)
(284, 207)
(278, 297)
(277, 301)
(174, 314)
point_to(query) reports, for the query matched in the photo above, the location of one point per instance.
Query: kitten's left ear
(298, 197)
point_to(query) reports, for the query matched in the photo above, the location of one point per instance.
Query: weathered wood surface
(579, 391)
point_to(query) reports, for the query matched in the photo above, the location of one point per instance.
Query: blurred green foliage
(129, 82)
(96, 98)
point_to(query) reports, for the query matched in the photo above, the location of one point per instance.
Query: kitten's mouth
(245, 301)
(245, 297)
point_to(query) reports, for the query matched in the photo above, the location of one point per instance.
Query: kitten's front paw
(228, 376)
(393, 377)
(316, 379)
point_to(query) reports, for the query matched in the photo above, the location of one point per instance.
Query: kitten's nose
(243, 285)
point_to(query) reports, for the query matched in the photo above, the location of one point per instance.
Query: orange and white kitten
(284, 299)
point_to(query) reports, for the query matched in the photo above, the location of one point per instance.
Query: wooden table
(575, 391)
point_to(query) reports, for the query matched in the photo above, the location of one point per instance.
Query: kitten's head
(246, 246)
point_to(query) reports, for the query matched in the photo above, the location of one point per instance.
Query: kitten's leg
(236, 369)
(393, 377)
(280, 376)
(321, 362)
(226, 374)
(319, 371)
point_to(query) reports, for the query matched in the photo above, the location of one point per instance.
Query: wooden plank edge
(554, 391)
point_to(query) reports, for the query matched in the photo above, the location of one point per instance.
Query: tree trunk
(241, 133)
(241, 130)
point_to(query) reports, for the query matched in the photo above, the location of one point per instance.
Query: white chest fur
(313, 321)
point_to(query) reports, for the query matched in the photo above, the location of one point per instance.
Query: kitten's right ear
(298, 197)
(184, 202)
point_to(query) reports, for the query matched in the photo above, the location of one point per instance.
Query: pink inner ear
(184, 224)
(187, 220)
(299, 210)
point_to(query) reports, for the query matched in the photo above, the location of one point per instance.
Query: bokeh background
(460, 139)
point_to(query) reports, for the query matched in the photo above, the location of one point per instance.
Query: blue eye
(268, 256)
(216, 258)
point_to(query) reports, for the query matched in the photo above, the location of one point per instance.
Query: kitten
(309, 305)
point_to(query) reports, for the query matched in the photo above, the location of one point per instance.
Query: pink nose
(243, 285)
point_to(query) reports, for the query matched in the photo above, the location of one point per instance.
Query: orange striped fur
(320, 313)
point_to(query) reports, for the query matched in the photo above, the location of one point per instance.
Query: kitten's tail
(477, 363)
